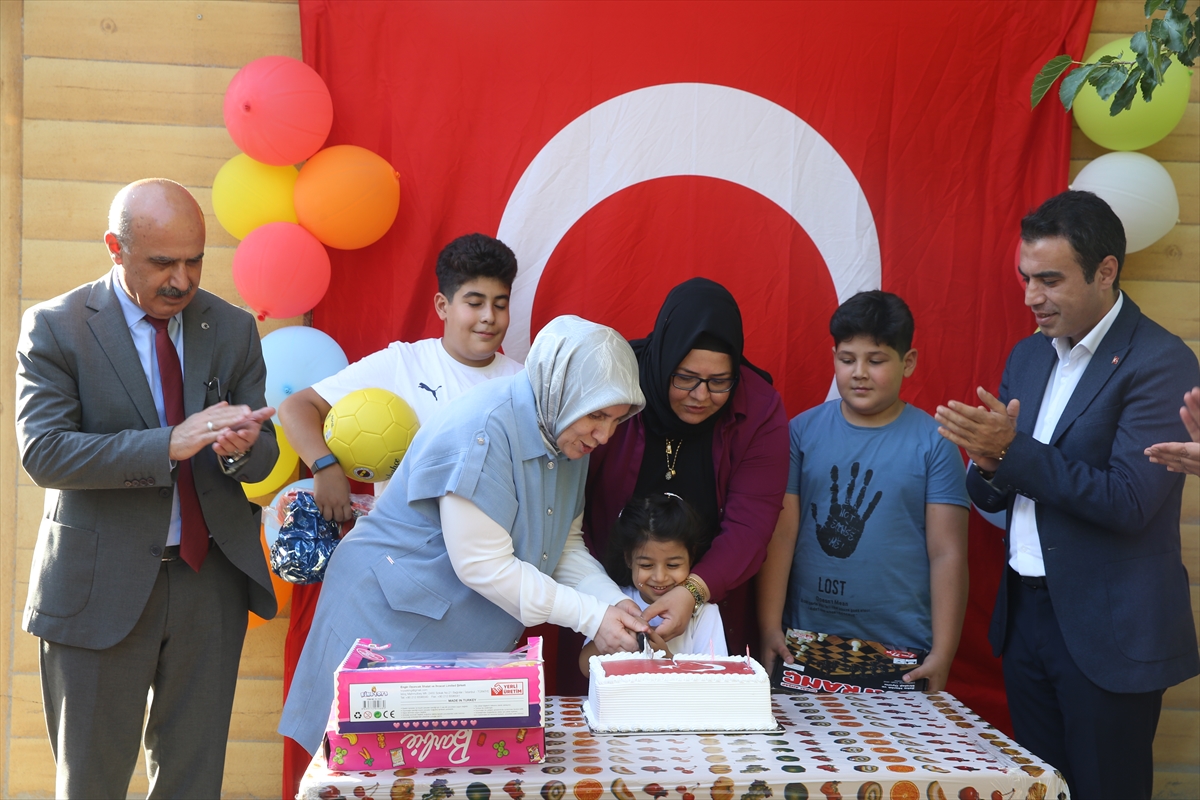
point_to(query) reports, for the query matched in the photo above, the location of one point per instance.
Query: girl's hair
(657, 517)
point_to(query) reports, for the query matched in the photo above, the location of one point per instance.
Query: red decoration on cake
(657, 666)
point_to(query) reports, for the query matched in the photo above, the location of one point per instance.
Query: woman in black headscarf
(713, 432)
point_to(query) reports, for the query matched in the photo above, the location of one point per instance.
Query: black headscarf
(697, 314)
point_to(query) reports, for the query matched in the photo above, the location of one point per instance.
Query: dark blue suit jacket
(1107, 518)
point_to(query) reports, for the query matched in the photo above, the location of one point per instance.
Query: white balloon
(297, 357)
(1140, 191)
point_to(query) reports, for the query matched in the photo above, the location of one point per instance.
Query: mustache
(173, 293)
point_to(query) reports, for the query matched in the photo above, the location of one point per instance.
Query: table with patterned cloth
(894, 746)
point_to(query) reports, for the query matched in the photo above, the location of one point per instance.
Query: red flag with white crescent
(794, 152)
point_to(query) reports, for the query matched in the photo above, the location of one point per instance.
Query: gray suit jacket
(88, 433)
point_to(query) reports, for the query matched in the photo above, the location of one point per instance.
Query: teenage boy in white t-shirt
(475, 275)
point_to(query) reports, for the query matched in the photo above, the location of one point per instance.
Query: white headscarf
(576, 367)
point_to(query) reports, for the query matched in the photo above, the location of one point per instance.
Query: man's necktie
(193, 538)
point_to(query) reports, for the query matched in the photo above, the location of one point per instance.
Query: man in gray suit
(136, 398)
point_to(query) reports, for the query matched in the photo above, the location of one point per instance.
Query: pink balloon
(278, 110)
(281, 270)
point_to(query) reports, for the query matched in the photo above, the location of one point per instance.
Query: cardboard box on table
(845, 665)
(437, 709)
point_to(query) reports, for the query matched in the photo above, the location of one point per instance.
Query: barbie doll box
(380, 692)
(437, 709)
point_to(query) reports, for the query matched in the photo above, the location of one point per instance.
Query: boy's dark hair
(474, 256)
(656, 517)
(1088, 223)
(880, 315)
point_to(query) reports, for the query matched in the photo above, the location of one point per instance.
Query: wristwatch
(231, 464)
(323, 462)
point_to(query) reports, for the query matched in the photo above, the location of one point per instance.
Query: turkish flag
(794, 152)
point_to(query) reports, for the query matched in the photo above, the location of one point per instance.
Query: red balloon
(281, 270)
(278, 110)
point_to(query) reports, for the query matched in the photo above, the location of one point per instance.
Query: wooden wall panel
(1184, 696)
(1175, 257)
(78, 211)
(11, 111)
(115, 91)
(101, 107)
(124, 152)
(1174, 305)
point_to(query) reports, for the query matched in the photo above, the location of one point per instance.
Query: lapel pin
(204, 325)
(1115, 360)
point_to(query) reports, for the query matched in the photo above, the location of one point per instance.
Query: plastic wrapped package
(306, 540)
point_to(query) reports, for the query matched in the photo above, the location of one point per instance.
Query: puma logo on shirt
(431, 391)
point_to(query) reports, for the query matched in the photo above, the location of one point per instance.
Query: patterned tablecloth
(894, 746)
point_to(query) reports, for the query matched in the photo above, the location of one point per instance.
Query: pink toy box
(437, 709)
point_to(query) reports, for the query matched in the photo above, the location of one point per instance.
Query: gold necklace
(672, 458)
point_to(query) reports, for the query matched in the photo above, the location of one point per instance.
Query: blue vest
(391, 579)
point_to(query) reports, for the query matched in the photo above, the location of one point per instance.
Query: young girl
(651, 549)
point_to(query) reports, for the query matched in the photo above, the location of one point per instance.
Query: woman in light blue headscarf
(478, 535)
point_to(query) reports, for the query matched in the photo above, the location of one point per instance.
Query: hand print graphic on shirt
(843, 528)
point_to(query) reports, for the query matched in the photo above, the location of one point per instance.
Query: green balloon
(1144, 123)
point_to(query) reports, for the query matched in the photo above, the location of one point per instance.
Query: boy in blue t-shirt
(872, 540)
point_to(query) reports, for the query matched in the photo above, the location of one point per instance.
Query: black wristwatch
(323, 462)
(231, 464)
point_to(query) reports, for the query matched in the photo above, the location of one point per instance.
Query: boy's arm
(773, 582)
(302, 417)
(946, 543)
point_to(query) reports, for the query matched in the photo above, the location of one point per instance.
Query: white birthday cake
(630, 692)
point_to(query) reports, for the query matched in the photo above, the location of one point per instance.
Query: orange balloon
(347, 196)
(283, 589)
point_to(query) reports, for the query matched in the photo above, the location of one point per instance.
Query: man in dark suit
(1093, 616)
(135, 398)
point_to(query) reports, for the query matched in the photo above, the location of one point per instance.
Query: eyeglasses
(688, 383)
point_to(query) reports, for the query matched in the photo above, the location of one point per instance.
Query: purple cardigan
(750, 456)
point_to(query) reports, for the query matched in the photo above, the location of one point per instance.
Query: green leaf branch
(1169, 38)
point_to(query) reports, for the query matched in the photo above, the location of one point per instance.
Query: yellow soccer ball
(369, 431)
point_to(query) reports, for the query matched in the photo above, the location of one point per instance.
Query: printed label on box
(416, 700)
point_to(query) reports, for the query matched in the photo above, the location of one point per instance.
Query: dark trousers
(184, 653)
(1101, 741)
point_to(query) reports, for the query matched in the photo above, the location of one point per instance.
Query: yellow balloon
(281, 473)
(247, 194)
(1144, 123)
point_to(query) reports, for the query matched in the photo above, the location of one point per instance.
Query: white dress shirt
(143, 340)
(1024, 544)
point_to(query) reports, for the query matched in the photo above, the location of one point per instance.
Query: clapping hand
(1182, 456)
(985, 432)
(228, 429)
